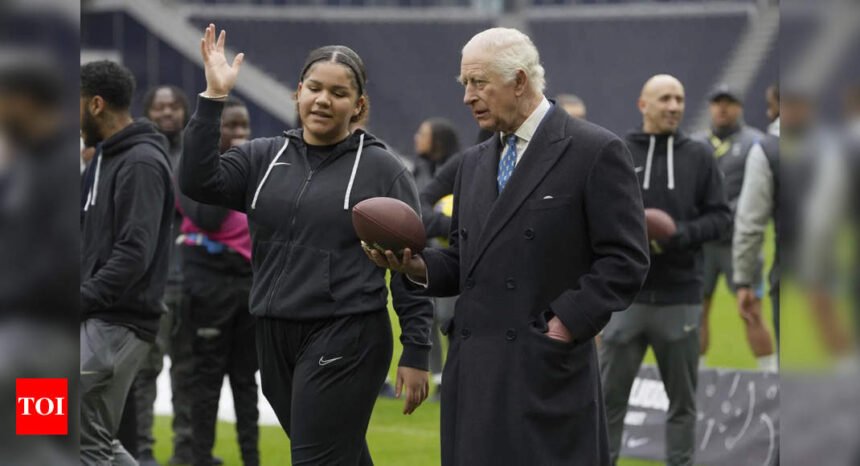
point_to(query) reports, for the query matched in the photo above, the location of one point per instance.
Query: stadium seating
(154, 62)
(412, 63)
(609, 76)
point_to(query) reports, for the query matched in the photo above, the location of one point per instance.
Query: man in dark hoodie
(680, 176)
(125, 241)
(731, 140)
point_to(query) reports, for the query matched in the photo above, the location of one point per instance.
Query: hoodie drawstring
(670, 162)
(91, 197)
(352, 176)
(648, 161)
(268, 170)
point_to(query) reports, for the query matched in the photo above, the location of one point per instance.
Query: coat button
(470, 283)
(463, 233)
(465, 333)
(511, 334)
(529, 233)
(510, 283)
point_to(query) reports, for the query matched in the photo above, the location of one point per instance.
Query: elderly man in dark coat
(547, 241)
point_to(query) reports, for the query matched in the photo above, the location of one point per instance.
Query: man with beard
(125, 242)
(167, 107)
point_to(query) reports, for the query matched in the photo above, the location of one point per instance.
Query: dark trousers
(443, 311)
(672, 331)
(321, 378)
(110, 357)
(217, 289)
(174, 339)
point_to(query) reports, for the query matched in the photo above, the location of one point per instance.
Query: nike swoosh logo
(689, 328)
(637, 442)
(324, 361)
(638, 169)
(89, 372)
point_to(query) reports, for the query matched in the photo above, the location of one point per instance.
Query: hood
(138, 132)
(141, 130)
(637, 135)
(671, 142)
(349, 144)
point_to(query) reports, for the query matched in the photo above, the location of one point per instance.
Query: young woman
(437, 146)
(324, 340)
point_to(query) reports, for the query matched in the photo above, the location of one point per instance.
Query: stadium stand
(412, 59)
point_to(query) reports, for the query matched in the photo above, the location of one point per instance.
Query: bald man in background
(572, 104)
(679, 176)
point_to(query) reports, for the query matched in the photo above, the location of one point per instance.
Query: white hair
(511, 51)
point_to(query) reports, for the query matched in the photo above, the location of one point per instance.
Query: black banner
(737, 421)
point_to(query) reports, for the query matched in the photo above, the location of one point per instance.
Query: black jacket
(687, 184)
(439, 186)
(125, 237)
(307, 260)
(566, 237)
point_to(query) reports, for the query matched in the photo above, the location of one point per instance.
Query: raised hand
(220, 75)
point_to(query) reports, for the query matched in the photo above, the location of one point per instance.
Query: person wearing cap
(731, 140)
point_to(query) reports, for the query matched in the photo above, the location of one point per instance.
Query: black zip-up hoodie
(307, 260)
(125, 233)
(680, 176)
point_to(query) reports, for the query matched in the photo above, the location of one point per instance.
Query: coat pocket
(551, 203)
(558, 369)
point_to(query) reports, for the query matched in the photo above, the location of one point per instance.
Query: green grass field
(396, 439)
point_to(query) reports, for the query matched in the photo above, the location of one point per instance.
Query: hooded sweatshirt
(679, 176)
(307, 261)
(125, 232)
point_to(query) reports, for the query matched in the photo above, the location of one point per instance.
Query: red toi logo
(42, 407)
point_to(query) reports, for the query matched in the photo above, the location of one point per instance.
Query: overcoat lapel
(544, 150)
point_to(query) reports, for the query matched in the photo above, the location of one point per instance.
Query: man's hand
(557, 331)
(413, 266)
(220, 75)
(746, 302)
(417, 385)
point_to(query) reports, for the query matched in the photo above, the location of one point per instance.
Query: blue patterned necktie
(507, 162)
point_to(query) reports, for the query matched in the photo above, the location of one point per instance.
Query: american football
(387, 223)
(660, 225)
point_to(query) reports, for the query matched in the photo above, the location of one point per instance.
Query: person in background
(572, 104)
(167, 107)
(731, 140)
(436, 144)
(757, 206)
(125, 246)
(679, 176)
(772, 96)
(215, 247)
